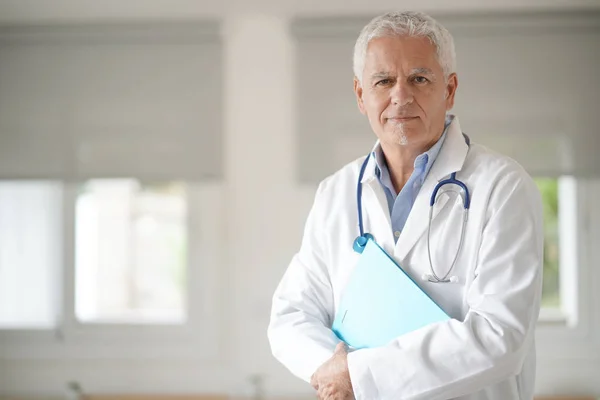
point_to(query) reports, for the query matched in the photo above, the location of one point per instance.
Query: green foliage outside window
(549, 190)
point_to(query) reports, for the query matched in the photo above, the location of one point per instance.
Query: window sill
(552, 317)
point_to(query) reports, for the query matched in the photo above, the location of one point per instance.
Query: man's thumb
(341, 348)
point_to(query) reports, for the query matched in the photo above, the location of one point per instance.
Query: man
(405, 83)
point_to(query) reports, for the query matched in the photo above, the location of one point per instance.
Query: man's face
(403, 92)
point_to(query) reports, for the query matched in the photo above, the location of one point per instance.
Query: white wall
(263, 207)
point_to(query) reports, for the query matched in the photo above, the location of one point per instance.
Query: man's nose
(402, 94)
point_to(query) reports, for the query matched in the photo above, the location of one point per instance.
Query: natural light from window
(561, 259)
(30, 254)
(131, 252)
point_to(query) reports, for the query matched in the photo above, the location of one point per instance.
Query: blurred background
(158, 159)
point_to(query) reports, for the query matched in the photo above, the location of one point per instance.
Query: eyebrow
(421, 71)
(380, 75)
(414, 71)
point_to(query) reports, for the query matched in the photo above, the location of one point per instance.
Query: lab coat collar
(452, 154)
(371, 168)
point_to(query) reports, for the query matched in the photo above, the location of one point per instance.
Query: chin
(401, 139)
(404, 137)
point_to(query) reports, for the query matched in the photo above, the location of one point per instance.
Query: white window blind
(108, 101)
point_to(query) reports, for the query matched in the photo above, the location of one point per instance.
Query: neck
(400, 160)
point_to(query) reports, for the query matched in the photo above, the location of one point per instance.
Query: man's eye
(421, 79)
(383, 82)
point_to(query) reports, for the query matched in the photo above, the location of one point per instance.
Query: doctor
(487, 278)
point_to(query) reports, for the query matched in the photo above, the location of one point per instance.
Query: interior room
(158, 160)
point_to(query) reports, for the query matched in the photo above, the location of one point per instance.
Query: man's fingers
(313, 381)
(324, 393)
(320, 394)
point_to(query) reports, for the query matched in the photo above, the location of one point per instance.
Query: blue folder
(381, 302)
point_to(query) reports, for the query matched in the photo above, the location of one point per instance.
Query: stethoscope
(361, 241)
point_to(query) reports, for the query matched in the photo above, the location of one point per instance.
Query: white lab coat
(486, 351)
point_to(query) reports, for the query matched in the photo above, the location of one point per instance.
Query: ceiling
(14, 12)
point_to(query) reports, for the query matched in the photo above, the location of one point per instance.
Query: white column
(263, 224)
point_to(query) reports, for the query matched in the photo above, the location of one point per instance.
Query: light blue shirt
(401, 203)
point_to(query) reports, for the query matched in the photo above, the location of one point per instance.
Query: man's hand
(332, 379)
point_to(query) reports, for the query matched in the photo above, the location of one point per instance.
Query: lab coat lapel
(450, 159)
(375, 208)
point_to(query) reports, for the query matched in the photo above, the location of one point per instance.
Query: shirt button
(397, 234)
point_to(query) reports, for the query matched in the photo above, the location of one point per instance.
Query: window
(561, 261)
(550, 198)
(129, 251)
(30, 259)
(131, 248)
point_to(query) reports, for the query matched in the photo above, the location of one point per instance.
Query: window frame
(575, 335)
(566, 313)
(197, 337)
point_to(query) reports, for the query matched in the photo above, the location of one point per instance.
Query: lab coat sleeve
(454, 358)
(299, 331)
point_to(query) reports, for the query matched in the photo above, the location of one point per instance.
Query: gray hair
(406, 23)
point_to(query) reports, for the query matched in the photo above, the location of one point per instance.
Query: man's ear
(359, 92)
(451, 85)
